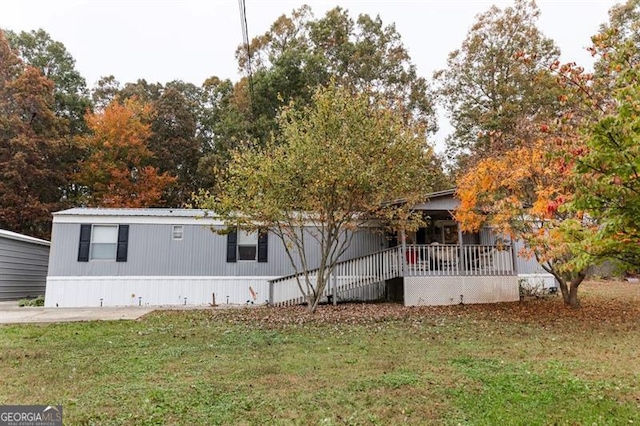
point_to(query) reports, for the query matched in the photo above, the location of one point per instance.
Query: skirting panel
(154, 291)
(537, 282)
(432, 291)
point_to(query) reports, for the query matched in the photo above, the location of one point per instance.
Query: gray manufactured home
(121, 257)
(23, 265)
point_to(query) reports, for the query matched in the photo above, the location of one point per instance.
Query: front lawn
(535, 362)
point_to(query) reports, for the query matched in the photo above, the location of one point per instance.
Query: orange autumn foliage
(117, 171)
(523, 193)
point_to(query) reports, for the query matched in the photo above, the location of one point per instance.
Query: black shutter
(85, 243)
(263, 246)
(421, 236)
(232, 243)
(123, 243)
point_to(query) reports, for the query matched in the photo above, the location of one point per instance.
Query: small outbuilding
(23, 265)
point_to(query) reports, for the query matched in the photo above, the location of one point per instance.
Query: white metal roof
(139, 216)
(81, 211)
(20, 237)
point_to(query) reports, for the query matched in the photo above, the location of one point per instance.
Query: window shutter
(123, 243)
(85, 243)
(263, 246)
(232, 243)
(421, 236)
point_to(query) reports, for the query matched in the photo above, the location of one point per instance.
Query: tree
(523, 193)
(174, 145)
(342, 160)
(38, 49)
(105, 91)
(222, 127)
(300, 53)
(608, 169)
(622, 28)
(364, 55)
(173, 141)
(118, 171)
(32, 174)
(499, 79)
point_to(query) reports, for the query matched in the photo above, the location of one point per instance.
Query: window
(247, 245)
(103, 242)
(178, 232)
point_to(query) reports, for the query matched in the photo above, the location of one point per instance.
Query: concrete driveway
(10, 313)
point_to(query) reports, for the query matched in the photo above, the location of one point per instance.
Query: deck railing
(347, 275)
(453, 259)
(417, 260)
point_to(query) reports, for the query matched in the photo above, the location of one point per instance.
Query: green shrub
(38, 301)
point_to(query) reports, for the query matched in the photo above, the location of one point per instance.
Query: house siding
(201, 252)
(23, 268)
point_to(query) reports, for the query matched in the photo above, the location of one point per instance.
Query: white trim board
(147, 220)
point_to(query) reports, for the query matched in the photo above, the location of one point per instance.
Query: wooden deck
(433, 260)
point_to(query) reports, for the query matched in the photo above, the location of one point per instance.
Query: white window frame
(177, 232)
(247, 240)
(93, 243)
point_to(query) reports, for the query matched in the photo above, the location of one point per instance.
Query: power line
(245, 39)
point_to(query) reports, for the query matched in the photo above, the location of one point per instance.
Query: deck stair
(347, 275)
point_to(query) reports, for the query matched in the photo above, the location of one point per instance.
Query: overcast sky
(190, 40)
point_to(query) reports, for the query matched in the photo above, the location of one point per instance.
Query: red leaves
(552, 207)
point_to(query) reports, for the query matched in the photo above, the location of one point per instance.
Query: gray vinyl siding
(201, 252)
(23, 269)
(527, 266)
(523, 265)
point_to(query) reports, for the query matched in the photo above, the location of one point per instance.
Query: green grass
(525, 363)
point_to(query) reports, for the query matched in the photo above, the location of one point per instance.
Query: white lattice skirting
(432, 291)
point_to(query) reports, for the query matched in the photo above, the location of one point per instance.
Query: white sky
(190, 40)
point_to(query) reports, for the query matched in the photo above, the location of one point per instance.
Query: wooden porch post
(514, 264)
(334, 287)
(403, 256)
(463, 254)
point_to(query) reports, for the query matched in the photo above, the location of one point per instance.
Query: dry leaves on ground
(603, 302)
